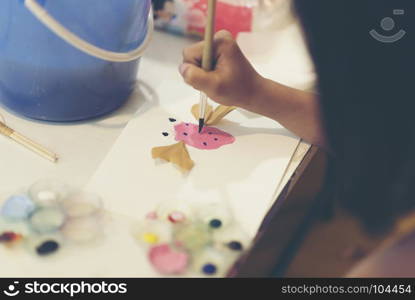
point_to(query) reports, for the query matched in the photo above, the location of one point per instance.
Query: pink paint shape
(209, 139)
(168, 261)
(152, 216)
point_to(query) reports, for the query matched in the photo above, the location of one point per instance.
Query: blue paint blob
(209, 269)
(18, 207)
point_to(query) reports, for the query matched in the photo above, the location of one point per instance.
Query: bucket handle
(43, 16)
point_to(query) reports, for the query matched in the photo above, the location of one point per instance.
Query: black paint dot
(165, 134)
(185, 133)
(187, 124)
(172, 120)
(235, 245)
(215, 223)
(47, 247)
(216, 139)
(204, 143)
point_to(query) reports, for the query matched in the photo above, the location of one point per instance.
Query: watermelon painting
(209, 139)
(187, 134)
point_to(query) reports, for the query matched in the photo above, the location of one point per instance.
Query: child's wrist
(252, 100)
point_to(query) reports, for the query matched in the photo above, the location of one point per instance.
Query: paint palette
(196, 239)
(47, 216)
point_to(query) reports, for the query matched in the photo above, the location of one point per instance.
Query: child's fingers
(193, 54)
(198, 78)
(223, 34)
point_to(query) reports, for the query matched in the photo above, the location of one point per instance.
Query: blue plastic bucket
(70, 60)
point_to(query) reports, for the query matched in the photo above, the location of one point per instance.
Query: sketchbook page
(243, 174)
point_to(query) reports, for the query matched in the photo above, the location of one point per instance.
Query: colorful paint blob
(209, 139)
(168, 260)
(9, 237)
(17, 207)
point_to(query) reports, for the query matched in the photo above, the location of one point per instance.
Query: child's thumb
(197, 77)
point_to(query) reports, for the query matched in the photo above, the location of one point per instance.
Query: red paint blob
(210, 138)
(176, 217)
(7, 237)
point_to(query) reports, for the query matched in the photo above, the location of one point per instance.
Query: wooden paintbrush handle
(207, 61)
(5, 130)
(33, 146)
(27, 143)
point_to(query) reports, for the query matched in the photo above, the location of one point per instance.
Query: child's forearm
(296, 110)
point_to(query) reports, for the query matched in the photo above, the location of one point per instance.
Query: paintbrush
(207, 60)
(26, 142)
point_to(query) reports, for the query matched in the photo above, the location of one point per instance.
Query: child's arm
(235, 82)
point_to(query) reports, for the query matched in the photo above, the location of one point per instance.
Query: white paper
(244, 174)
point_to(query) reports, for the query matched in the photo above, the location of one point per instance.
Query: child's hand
(233, 81)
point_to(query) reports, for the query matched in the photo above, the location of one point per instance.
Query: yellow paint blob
(150, 238)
